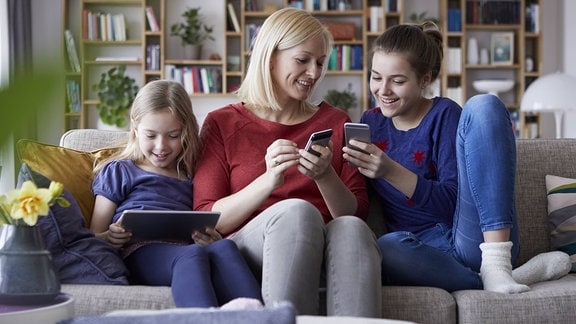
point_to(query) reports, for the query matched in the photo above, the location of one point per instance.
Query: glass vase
(27, 274)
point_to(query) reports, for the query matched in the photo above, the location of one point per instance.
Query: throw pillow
(70, 167)
(79, 257)
(562, 214)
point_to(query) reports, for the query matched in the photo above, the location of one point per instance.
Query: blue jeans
(450, 258)
(199, 276)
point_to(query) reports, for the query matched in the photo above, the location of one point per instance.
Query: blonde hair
(154, 97)
(282, 30)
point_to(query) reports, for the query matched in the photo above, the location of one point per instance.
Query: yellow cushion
(70, 167)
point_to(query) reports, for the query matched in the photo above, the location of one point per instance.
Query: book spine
(233, 17)
(151, 17)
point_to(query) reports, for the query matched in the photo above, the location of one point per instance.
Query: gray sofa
(547, 302)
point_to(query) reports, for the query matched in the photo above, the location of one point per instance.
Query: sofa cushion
(547, 302)
(70, 167)
(78, 256)
(562, 214)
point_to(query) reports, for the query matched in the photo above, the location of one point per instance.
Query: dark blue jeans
(199, 276)
(450, 258)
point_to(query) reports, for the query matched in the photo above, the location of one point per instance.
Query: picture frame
(502, 48)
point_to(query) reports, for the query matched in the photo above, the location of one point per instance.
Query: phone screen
(320, 138)
(359, 132)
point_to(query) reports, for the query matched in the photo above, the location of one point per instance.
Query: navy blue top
(130, 187)
(429, 150)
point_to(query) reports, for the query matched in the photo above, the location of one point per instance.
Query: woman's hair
(155, 97)
(421, 44)
(282, 30)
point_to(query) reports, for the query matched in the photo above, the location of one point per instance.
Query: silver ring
(276, 161)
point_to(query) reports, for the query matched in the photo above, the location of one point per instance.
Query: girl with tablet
(154, 171)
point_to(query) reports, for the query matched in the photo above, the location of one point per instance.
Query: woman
(287, 209)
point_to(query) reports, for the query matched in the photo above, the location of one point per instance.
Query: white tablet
(166, 224)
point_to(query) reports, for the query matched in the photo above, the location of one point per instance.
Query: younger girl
(445, 176)
(154, 171)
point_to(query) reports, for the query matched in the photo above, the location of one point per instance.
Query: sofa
(550, 302)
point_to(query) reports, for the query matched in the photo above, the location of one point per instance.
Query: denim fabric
(450, 258)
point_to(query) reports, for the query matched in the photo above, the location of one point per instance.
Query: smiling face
(395, 86)
(295, 70)
(159, 139)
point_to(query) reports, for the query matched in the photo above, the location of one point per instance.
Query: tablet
(166, 224)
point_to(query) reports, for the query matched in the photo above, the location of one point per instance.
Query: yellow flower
(29, 202)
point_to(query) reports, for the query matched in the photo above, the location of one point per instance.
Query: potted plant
(342, 99)
(116, 92)
(192, 31)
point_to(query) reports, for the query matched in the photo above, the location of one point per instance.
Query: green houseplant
(116, 92)
(345, 99)
(193, 30)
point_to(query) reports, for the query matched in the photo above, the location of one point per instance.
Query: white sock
(242, 303)
(543, 267)
(496, 268)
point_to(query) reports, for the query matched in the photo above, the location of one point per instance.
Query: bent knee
(297, 214)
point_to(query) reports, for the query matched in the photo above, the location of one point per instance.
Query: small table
(60, 309)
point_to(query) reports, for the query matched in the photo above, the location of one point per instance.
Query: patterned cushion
(562, 214)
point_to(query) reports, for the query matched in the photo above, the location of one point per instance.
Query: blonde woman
(288, 210)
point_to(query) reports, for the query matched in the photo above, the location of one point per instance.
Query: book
(233, 17)
(151, 17)
(73, 59)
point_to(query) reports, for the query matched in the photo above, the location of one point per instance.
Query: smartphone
(320, 138)
(359, 132)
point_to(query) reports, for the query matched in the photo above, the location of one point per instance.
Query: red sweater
(235, 143)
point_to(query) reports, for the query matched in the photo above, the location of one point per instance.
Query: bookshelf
(480, 24)
(146, 49)
(158, 54)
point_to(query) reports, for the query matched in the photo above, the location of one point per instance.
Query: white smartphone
(320, 138)
(359, 132)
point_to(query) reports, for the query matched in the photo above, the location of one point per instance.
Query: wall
(569, 53)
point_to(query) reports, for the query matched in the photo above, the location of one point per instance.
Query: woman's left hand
(210, 235)
(316, 166)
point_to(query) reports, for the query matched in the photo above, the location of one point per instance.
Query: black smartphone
(320, 138)
(359, 132)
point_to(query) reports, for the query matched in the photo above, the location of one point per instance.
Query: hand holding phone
(321, 138)
(359, 132)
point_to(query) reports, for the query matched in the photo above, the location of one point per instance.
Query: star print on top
(421, 150)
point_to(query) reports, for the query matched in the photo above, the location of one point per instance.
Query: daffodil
(29, 202)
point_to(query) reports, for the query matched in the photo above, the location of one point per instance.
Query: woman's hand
(117, 235)
(280, 155)
(210, 235)
(316, 166)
